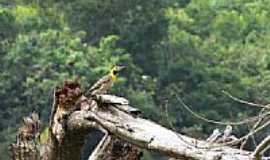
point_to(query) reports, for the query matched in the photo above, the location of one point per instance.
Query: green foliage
(35, 61)
(209, 48)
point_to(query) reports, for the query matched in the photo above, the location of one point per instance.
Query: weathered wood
(119, 102)
(68, 129)
(100, 149)
(262, 147)
(149, 135)
(65, 142)
(27, 145)
(75, 116)
(112, 148)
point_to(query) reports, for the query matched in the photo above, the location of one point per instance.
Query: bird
(106, 82)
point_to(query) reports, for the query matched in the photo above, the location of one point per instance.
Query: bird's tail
(88, 93)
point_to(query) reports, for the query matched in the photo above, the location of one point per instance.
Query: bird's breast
(114, 78)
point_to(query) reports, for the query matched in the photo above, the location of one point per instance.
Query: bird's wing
(99, 83)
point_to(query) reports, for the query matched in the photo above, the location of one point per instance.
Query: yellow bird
(106, 82)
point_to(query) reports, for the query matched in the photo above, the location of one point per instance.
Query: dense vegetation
(193, 49)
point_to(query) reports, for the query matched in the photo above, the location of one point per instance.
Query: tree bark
(68, 129)
(149, 135)
(27, 145)
(75, 116)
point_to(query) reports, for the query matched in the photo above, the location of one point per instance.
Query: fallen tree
(74, 116)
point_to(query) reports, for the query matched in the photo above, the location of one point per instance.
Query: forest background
(188, 49)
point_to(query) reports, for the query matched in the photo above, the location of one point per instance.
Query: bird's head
(116, 69)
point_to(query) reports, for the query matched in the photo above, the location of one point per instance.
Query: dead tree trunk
(27, 145)
(74, 116)
(67, 133)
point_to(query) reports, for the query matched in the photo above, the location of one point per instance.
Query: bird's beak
(121, 67)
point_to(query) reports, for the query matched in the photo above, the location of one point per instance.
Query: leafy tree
(193, 49)
(36, 62)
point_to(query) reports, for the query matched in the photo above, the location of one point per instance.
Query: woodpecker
(106, 82)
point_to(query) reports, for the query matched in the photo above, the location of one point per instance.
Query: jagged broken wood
(68, 129)
(74, 116)
(27, 144)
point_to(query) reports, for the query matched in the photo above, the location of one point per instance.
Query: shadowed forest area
(176, 52)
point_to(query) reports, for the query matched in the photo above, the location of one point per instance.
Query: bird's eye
(115, 72)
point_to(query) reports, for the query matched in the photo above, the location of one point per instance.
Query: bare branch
(258, 129)
(262, 147)
(113, 148)
(252, 129)
(246, 102)
(149, 135)
(97, 154)
(248, 120)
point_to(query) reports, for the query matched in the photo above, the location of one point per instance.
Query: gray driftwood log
(75, 116)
